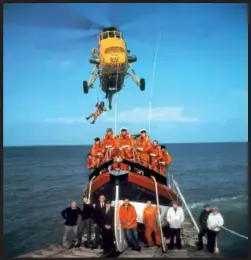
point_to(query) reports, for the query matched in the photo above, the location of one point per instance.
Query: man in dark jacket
(108, 228)
(71, 217)
(86, 223)
(98, 216)
(203, 225)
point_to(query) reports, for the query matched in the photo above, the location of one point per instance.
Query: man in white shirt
(175, 217)
(214, 223)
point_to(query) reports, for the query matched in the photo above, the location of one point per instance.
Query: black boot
(93, 122)
(87, 118)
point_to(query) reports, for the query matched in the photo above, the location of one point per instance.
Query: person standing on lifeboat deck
(96, 151)
(125, 144)
(143, 146)
(165, 161)
(128, 221)
(155, 156)
(109, 145)
(150, 215)
(90, 161)
(214, 223)
(175, 217)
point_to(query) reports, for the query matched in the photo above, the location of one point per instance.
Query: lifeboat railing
(159, 218)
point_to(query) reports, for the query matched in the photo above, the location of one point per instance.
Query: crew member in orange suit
(90, 161)
(125, 144)
(150, 220)
(96, 151)
(143, 146)
(155, 156)
(110, 145)
(165, 161)
(128, 221)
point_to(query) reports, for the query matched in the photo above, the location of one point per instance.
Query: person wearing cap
(109, 145)
(150, 220)
(100, 108)
(203, 224)
(165, 161)
(125, 145)
(128, 221)
(175, 218)
(214, 223)
(155, 156)
(96, 151)
(143, 147)
(108, 228)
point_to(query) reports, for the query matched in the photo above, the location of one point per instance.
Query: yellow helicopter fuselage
(112, 53)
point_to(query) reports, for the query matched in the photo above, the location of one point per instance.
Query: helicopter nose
(115, 59)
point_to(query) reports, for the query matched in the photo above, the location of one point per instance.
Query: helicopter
(112, 62)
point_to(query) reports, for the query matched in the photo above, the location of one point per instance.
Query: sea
(39, 182)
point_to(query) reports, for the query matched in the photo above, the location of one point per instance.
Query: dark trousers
(201, 234)
(85, 226)
(132, 239)
(108, 239)
(175, 232)
(98, 232)
(211, 236)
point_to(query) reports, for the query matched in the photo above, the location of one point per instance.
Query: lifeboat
(138, 184)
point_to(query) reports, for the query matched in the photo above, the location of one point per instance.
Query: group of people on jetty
(142, 150)
(102, 216)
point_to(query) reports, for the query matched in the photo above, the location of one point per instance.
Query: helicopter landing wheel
(142, 84)
(85, 87)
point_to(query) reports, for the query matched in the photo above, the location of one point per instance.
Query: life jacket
(155, 152)
(166, 158)
(125, 140)
(143, 142)
(109, 141)
(90, 162)
(96, 148)
(150, 217)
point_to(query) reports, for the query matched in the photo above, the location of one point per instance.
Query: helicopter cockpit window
(105, 35)
(111, 34)
(117, 35)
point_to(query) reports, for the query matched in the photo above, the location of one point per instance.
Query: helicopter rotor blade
(48, 16)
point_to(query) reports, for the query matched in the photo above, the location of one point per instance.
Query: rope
(152, 84)
(115, 101)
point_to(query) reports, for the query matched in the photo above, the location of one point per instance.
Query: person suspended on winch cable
(143, 146)
(100, 108)
(165, 161)
(155, 156)
(203, 224)
(150, 220)
(214, 223)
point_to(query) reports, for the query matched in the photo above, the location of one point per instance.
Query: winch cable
(152, 84)
(115, 101)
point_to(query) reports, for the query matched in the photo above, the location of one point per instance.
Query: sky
(198, 89)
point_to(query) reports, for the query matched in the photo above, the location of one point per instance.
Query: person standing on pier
(108, 229)
(86, 223)
(99, 218)
(203, 225)
(128, 220)
(71, 217)
(175, 217)
(214, 223)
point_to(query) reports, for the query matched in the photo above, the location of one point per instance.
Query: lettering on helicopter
(114, 59)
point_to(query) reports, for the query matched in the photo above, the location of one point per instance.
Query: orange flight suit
(150, 215)
(96, 153)
(90, 162)
(155, 157)
(145, 144)
(126, 153)
(165, 162)
(97, 113)
(109, 140)
(128, 216)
